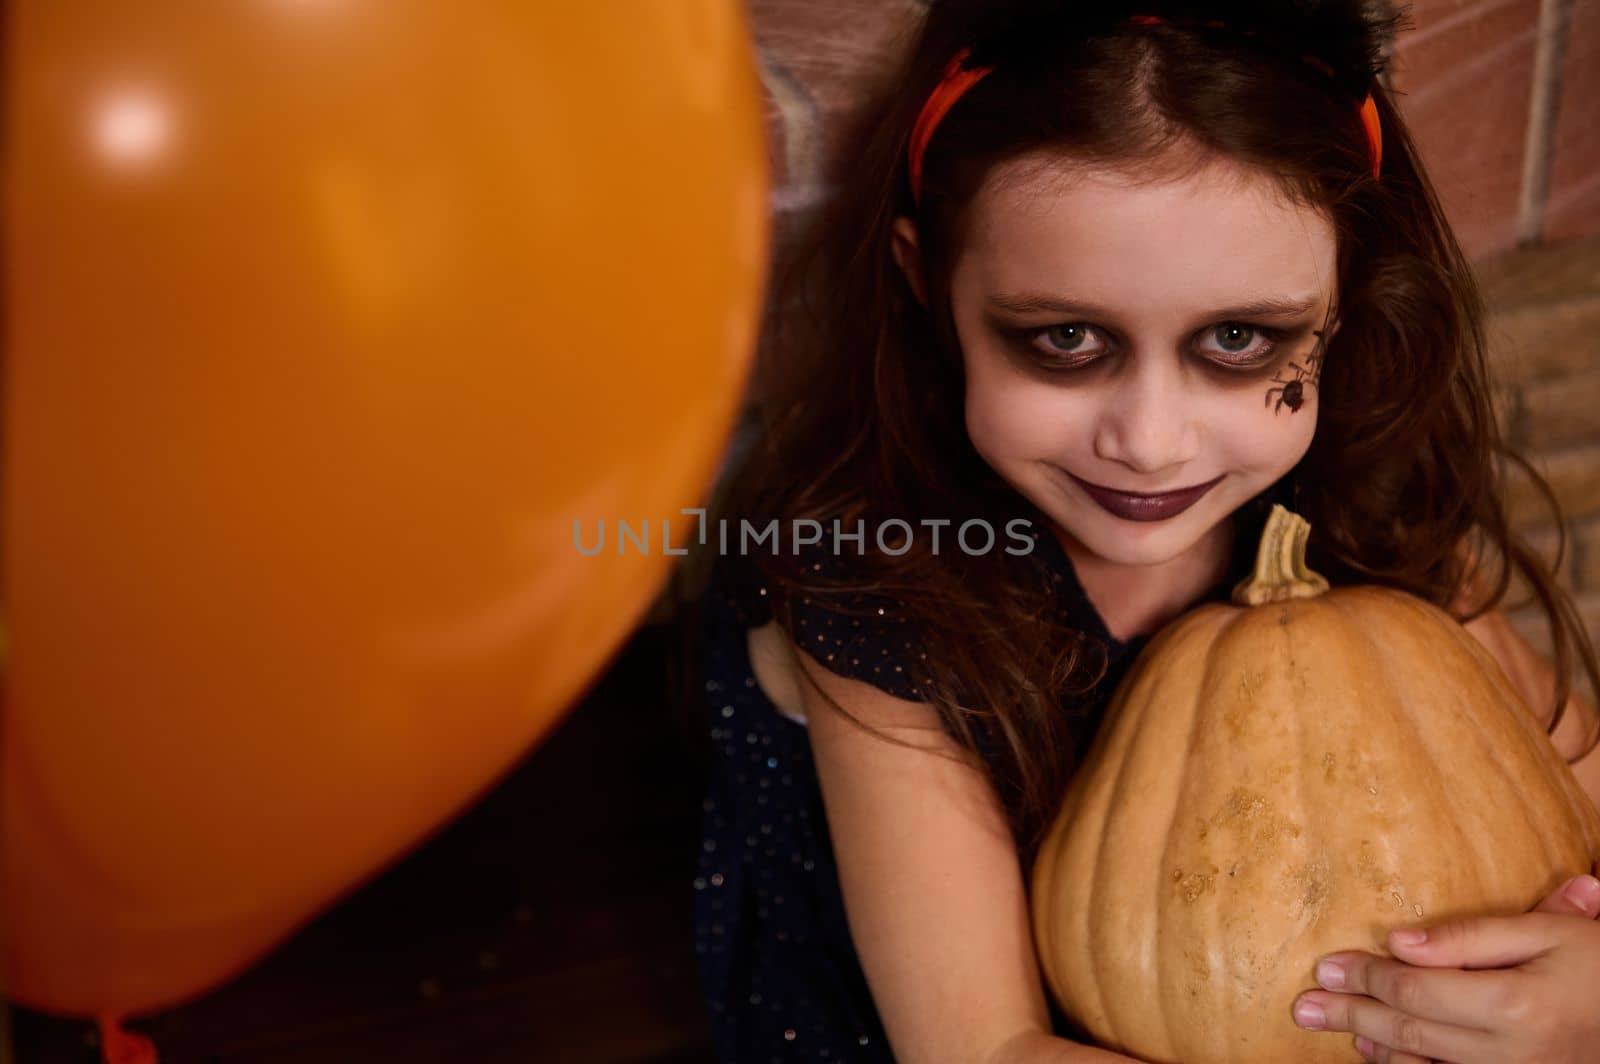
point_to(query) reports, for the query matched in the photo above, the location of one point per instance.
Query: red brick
(1531, 341)
(1541, 274)
(1573, 475)
(1573, 206)
(1586, 535)
(820, 57)
(1561, 411)
(1465, 74)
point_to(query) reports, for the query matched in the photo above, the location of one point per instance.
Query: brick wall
(1544, 334)
(1506, 133)
(1574, 190)
(1503, 98)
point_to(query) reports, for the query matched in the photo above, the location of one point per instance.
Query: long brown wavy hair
(861, 395)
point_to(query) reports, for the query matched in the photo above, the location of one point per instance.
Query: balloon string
(119, 1046)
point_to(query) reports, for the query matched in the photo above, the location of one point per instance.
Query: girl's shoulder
(854, 631)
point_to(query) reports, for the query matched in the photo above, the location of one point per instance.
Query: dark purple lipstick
(1141, 506)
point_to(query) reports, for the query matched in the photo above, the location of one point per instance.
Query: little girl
(1102, 281)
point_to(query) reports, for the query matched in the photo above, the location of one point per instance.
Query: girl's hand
(1493, 988)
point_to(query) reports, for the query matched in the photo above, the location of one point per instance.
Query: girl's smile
(1141, 359)
(1143, 506)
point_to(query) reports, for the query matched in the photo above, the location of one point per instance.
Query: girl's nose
(1148, 424)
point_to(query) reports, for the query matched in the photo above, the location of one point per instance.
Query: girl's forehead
(1210, 234)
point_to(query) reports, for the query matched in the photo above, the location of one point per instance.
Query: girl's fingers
(1395, 1031)
(1464, 999)
(1481, 941)
(1578, 896)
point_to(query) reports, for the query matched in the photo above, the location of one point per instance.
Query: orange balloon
(327, 319)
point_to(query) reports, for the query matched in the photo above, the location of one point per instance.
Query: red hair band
(954, 82)
(957, 79)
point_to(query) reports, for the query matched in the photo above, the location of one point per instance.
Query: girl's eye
(1240, 345)
(1066, 344)
(1075, 344)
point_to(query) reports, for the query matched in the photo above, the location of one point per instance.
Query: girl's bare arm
(932, 884)
(1535, 680)
(1531, 677)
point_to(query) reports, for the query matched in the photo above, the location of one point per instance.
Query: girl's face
(1141, 340)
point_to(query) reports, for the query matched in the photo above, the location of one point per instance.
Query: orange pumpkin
(1282, 777)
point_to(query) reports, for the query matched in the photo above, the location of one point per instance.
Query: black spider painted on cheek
(1291, 392)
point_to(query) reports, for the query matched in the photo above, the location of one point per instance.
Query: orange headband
(956, 80)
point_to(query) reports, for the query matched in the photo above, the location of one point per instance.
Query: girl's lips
(1131, 506)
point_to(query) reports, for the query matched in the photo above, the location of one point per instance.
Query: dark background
(551, 922)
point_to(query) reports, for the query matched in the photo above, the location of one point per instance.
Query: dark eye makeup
(1064, 347)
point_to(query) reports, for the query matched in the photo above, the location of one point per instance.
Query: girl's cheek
(1263, 433)
(1024, 417)
(1278, 400)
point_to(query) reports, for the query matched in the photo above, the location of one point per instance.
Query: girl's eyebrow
(1265, 307)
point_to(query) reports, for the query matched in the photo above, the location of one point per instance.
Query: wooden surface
(550, 923)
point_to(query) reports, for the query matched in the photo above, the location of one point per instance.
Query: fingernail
(1330, 976)
(1308, 1014)
(1364, 1046)
(1583, 892)
(1411, 938)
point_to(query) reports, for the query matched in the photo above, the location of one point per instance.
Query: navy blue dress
(780, 976)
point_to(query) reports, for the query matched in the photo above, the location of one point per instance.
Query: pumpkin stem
(1281, 572)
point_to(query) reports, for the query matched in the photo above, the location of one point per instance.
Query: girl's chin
(1148, 550)
(1123, 542)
